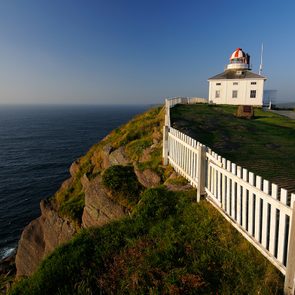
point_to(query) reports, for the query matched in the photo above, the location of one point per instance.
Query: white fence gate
(261, 212)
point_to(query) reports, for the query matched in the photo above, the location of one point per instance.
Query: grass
(265, 145)
(170, 245)
(178, 180)
(136, 147)
(141, 127)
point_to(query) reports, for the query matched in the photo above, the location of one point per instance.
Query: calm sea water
(37, 146)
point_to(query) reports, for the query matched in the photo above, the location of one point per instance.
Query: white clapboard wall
(258, 209)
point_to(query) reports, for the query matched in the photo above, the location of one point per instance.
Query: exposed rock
(41, 237)
(66, 184)
(106, 150)
(107, 157)
(74, 168)
(84, 181)
(119, 157)
(146, 155)
(99, 207)
(148, 178)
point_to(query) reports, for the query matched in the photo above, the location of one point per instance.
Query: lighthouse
(237, 85)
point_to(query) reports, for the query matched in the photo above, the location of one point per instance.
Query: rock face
(118, 157)
(148, 178)
(99, 208)
(40, 238)
(74, 168)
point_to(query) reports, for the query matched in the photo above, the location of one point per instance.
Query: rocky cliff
(41, 237)
(83, 200)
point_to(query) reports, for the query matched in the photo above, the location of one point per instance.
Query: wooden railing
(261, 212)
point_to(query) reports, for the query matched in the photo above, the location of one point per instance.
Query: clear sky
(137, 51)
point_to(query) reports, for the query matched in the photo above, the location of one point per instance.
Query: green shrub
(156, 204)
(122, 181)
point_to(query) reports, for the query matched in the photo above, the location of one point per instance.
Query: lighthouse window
(218, 84)
(217, 93)
(252, 93)
(235, 83)
(235, 94)
(253, 83)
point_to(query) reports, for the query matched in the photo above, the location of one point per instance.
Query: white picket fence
(258, 209)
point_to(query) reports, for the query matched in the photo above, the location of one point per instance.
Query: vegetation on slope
(170, 245)
(265, 145)
(135, 136)
(123, 183)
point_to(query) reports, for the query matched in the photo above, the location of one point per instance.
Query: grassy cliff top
(264, 145)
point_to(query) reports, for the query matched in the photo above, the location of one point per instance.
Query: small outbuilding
(237, 85)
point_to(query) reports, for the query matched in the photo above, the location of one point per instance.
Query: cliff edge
(83, 200)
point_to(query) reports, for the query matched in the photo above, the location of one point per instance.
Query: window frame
(236, 94)
(253, 91)
(217, 92)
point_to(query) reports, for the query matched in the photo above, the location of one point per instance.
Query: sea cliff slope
(82, 200)
(125, 224)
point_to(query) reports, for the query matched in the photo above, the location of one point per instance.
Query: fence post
(167, 112)
(201, 171)
(165, 145)
(289, 285)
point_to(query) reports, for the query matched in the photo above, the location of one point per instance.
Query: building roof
(236, 75)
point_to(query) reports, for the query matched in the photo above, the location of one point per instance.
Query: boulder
(146, 155)
(107, 157)
(119, 157)
(99, 207)
(148, 178)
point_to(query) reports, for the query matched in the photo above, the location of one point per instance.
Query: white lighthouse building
(237, 85)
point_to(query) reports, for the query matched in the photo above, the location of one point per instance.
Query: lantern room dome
(238, 53)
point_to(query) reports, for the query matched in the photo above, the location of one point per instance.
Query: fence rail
(261, 211)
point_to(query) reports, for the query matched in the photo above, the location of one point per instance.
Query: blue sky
(127, 51)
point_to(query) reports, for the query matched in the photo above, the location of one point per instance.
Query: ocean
(37, 146)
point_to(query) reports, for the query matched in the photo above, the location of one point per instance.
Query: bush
(122, 181)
